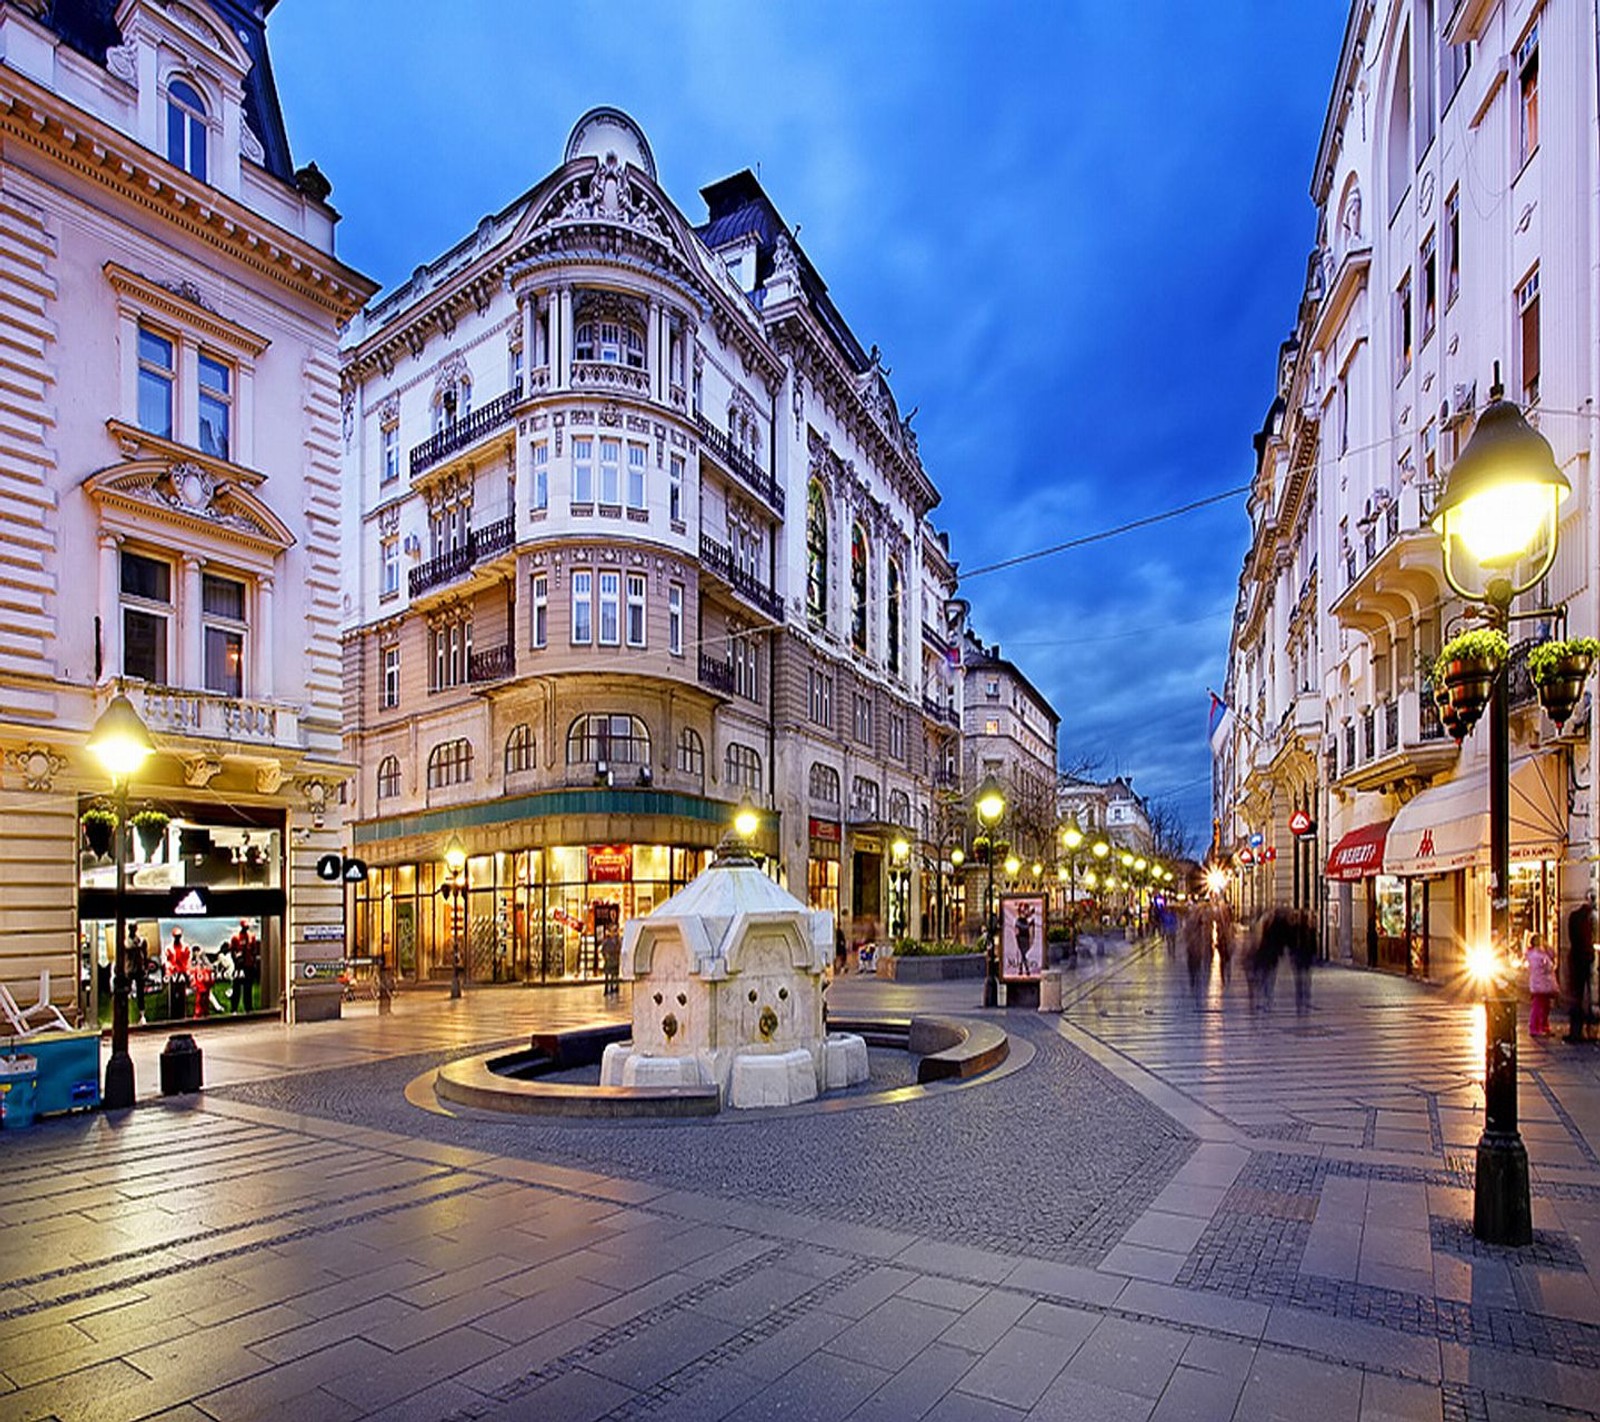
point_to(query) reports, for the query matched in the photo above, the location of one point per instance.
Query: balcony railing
(718, 559)
(481, 543)
(607, 376)
(1519, 684)
(492, 664)
(1369, 739)
(939, 711)
(209, 714)
(1391, 725)
(464, 431)
(717, 675)
(1429, 726)
(741, 463)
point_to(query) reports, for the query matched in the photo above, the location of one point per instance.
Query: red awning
(1359, 853)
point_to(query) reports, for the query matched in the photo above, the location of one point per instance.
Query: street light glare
(991, 803)
(1483, 964)
(1498, 525)
(746, 821)
(119, 740)
(455, 857)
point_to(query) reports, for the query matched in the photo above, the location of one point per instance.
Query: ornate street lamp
(1501, 501)
(958, 857)
(121, 743)
(455, 894)
(900, 896)
(991, 808)
(1072, 841)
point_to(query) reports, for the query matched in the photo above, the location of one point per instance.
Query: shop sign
(323, 933)
(825, 829)
(192, 905)
(1300, 823)
(322, 972)
(610, 863)
(1245, 856)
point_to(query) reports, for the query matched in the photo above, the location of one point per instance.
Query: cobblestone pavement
(1157, 1212)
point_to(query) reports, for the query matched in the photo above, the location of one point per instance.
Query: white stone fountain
(727, 990)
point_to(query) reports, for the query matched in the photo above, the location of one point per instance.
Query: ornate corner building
(1457, 231)
(634, 530)
(171, 473)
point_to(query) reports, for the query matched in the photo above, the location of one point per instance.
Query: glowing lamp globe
(455, 857)
(991, 803)
(120, 740)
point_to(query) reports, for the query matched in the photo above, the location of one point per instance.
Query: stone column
(530, 335)
(561, 331)
(263, 679)
(191, 663)
(652, 351)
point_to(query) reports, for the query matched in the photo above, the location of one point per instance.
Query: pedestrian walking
(1222, 937)
(1268, 944)
(1542, 987)
(1196, 935)
(1580, 966)
(1302, 954)
(611, 960)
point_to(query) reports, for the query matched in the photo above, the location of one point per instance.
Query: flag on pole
(1219, 723)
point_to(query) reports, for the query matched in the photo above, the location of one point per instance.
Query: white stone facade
(1457, 226)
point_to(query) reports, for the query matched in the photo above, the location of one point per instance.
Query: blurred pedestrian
(1580, 965)
(1542, 986)
(1222, 936)
(1302, 954)
(1269, 943)
(1196, 935)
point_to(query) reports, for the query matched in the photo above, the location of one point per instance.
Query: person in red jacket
(176, 964)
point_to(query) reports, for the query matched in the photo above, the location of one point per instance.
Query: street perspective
(799, 712)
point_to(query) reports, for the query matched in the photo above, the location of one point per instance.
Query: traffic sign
(1300, 823)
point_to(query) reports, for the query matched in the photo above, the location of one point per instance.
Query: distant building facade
(636, 532)
(1109, 808)
(171, 477)
(1456, 225)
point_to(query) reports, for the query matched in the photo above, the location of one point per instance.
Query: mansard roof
(90, 27)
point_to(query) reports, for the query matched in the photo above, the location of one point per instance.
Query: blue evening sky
(1078, 232)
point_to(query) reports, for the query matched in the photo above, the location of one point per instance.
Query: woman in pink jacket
(1542, 988)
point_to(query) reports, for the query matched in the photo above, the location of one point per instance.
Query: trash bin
(1050, 990)
(19, 1079)
(180, 1066)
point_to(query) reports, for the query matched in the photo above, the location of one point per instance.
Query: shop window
(389, 777)
(186, 128)
(608, 736)
(742, 767)
(519, 748)
(450, 763)
(146, 616)
(691, 752)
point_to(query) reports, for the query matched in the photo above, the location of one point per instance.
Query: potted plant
(1447, 716)
(1466, 667)
(1558, 670)
(151, 827)
(99, 828)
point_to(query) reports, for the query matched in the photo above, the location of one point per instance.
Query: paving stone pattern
(1056, 1161)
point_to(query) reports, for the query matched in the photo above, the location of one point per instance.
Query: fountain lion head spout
(727, 990)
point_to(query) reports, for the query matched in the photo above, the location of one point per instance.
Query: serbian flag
(1220, 722)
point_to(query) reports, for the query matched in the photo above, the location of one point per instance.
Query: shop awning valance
(1447, 827)
(1359, 853)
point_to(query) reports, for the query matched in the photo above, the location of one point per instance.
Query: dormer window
(186, 128)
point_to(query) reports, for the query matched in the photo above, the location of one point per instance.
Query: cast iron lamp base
(1500, 1209)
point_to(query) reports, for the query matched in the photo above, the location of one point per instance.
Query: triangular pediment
(192, 493)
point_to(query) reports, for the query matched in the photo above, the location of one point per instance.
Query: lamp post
(991, 807)
(121, 743)
(455, 858)
(900, 889)
(958, 857)
(1503, 493)
(1072, 838)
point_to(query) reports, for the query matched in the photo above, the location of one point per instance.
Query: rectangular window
(216, 406)
(675, 619)
(541, 608)
(635, 609)
(541, 477)
(819, 697)
(391, 453)
(156, 374)
(391, 679)
(515, 372)
(146, 607)
(1528, 337)
(389, 553)
(991, 727)
(583, 471)
(1402, 326)
(1429, 295)
(611, 472)
(1528, 96)
(863, 719)
(1454, 61)
(582, 609)
(675, 490)
(222, 604)
(636, 458)
(897, 735)
(1452, 246)
(610, 594)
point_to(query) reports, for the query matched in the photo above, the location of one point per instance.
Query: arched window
(388, 777)
(899, 809)
(858, 588)
(450, 763)
(610, 737)
(452, 404)
(691, 752)
(894, 618)
(610, 342)
(519, 748)
(864, 798)
(1399, 141)
(824, 783)
(742, 767)
(816, 553)
(186, 128)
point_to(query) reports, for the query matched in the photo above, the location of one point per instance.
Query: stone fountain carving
(727, 990)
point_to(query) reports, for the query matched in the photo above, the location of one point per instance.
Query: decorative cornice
(184, 302)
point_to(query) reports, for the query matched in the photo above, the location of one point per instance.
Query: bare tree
(1169, 835)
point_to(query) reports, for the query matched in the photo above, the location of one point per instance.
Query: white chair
(41, 1016)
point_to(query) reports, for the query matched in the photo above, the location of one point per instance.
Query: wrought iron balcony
(717, 558)
(717, 675)
(492, 663)
(481, 543)
(464, 431)
(940, 712)
(740, 464)
(1400, 740)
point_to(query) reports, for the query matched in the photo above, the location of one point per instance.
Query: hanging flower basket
(1447, 716)
(99, 829)
(1466, 668)
(151, 827)
(1558, 671)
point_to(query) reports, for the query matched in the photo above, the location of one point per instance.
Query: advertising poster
(1022, 927)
